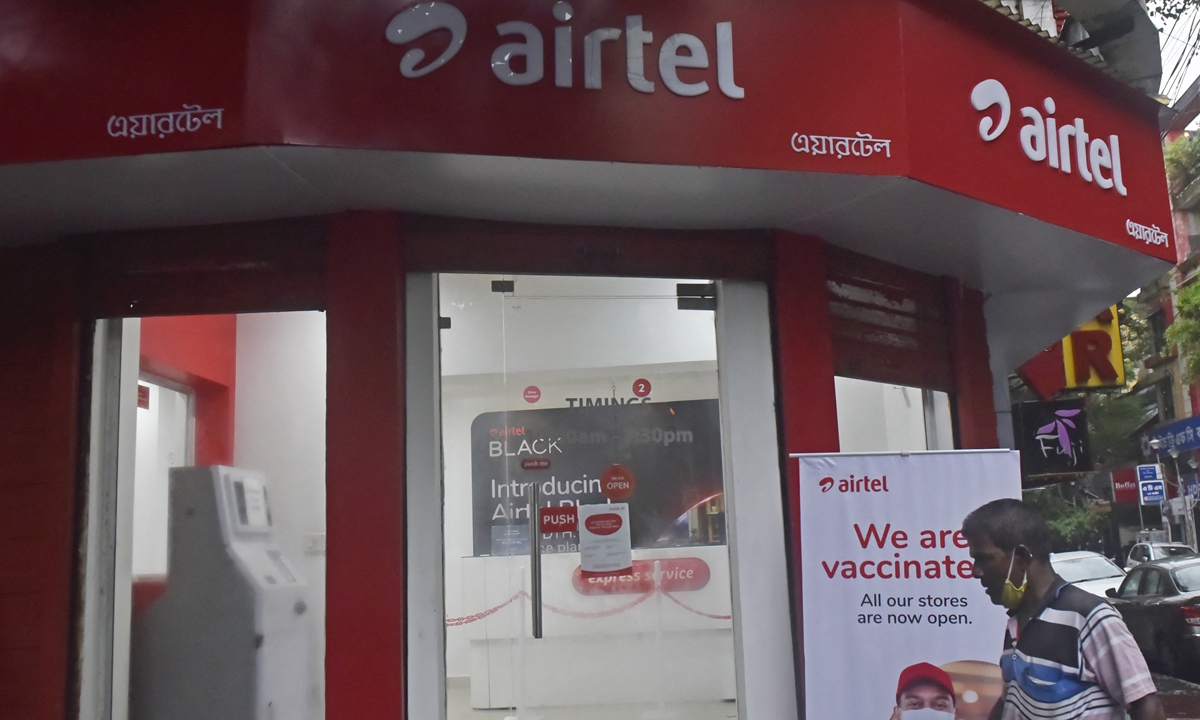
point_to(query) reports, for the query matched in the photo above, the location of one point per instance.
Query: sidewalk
(1180, 698)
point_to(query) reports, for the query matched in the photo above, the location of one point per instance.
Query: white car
(1145, 552)
(1088, 571)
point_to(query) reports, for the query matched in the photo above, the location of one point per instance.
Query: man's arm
(1147, 708)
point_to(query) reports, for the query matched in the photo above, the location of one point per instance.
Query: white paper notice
(604, 540)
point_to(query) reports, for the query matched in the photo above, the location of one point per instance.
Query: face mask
(926, 714)
(1010, 595)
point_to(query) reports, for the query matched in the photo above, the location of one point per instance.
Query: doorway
(531, 392)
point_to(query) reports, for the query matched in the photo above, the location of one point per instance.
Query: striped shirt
(1074, 659)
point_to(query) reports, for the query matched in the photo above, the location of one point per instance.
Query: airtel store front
(689, 256)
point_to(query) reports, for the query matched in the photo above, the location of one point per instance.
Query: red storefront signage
(947, 93)
(1125, 486)
(687, 573)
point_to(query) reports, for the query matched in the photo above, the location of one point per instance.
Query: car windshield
(1174, 550)
(1188, 578)
(1086, 568)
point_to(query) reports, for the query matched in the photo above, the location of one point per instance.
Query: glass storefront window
(599, 396)
(217, 428)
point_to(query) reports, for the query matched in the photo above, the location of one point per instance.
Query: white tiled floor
(458, 707)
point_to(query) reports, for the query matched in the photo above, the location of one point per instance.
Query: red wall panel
(39, 357)
(364, 466)
(199, 351)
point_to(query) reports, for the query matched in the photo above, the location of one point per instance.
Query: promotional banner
(663, 459)
(888, 591)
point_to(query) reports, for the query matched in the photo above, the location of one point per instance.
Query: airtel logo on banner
(680, 50)
(1044, 140)
(855, 485)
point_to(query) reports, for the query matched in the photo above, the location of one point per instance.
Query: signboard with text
(1053, 440)
(887, 577)
(661, 458)
(1154, 492)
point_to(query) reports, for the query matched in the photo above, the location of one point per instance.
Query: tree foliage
(1170, 9)
(1074, 523)
(1184, 332)
(1182, 157)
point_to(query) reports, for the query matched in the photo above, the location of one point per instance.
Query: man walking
(1067, 653)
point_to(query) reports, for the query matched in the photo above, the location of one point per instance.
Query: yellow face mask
(1010, 594)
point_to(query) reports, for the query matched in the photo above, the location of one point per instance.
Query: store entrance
(596, 398)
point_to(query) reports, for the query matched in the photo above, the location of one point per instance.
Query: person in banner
(924, 692)
(1067, 653)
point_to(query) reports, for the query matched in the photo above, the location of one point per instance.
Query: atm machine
(228, 638)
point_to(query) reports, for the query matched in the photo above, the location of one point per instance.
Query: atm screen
(250, 497)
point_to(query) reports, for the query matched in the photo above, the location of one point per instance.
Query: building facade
(348, 247)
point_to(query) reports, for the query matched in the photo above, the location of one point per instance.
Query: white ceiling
(1042, 280)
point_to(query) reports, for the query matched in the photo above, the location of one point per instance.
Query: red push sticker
(558, 519)
(537, 463)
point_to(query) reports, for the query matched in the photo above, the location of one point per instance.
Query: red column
(974, 405)
(804, 358)
(804, 345)
(39, 401)
(364, 664)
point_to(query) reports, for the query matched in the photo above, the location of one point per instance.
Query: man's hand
(1147, 708)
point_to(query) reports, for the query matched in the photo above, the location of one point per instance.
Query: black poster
(672, 449)
(1052, 438)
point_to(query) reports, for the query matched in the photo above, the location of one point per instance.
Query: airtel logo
(1044, 140)
(678, 51)
(855, 485)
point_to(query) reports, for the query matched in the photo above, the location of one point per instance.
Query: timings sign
(887, 579)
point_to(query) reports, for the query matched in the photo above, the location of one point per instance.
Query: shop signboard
(1053, 440)
(887, 577)
(698, 84)
(1089, 358)
(1125, 486)
(1150, 472)
(1193, 487)
(1180, 436)
(663, 459)
(1153, 492)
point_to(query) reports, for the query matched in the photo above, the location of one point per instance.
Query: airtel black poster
(673, 451)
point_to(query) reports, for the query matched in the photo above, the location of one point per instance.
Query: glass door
(586, 564)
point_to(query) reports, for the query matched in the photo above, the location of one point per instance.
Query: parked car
(1088, 570)
(1145, 552)
(1160, 601)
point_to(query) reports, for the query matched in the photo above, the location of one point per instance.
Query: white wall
(279, 430)
(162, 443)
(881, 417)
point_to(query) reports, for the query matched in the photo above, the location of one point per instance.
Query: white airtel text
(680, 50)
(1044, 140)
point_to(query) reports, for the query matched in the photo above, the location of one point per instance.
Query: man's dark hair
(1010, 523)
